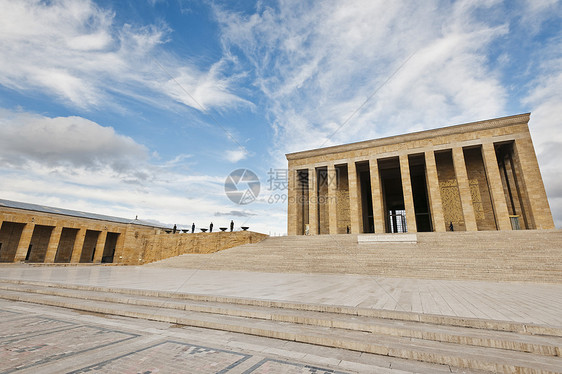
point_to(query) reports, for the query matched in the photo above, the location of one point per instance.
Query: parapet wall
(170, 245)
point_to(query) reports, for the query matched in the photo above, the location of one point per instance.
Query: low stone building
(42, 234)
(476, 176)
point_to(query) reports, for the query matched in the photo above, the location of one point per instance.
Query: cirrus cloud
(317, 63)
(74, 50)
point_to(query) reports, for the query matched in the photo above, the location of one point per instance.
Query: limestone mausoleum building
(476, 176)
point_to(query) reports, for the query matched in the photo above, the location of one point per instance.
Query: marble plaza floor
(507, 301)
(47, 339)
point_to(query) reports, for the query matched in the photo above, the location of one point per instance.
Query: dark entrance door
(419, 192)
(366, 197)
(393, 196)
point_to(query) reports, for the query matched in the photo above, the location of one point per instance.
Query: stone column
(53, 245)
(495, 186)
(354, 203)
(376, 194)
(292, 202)
(25, 240)
(332, 199)
(532, 181)
(100, 246)
(408, 195)
(434, 192)
(78, 246)
(313, 201)
(464, 189)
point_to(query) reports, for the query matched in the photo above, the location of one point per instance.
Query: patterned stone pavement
(170, 356)
(32, 342)
(29, 325)
(268, 365)
(44, 339)
(46, 343)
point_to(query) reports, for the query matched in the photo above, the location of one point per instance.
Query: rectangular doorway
(516, 196)
(364, 175)
(109, 249)
(66, 245)
(393, 195)
(302, 201)
(89, 248)
(418, 179)
(39, 243)
(10, 235)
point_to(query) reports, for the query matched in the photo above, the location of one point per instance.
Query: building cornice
(444, 131)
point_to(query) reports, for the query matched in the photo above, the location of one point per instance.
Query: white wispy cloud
(203, 90)
(75, 50)
(318, 62)
(536, 12)
(385, 67)
(75, 163)
(545, 99)
(235, 155)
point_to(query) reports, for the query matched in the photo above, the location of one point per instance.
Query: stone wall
(58, 238)
(450, 196)
(170, 245)
(136, 241)
(479, 190)
(342, 196)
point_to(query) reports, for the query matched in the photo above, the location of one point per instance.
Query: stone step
(490, 359)
(436, 339)
(461, 335)
(345, 310)
(530, 256)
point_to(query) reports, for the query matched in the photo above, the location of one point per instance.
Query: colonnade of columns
(40, 239)
(495, 187)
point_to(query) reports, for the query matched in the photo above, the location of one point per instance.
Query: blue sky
(143, 108)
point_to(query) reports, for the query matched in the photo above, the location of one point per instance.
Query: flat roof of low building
(74, 213)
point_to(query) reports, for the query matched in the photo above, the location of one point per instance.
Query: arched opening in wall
(515, 192)
(39, 243)
(393, 195)
(418, 179)
(89, 247)
(66, 245)
(10, 234)
(109, 249)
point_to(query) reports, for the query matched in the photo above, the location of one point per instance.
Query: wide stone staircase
(524, 256)
(472, 344)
